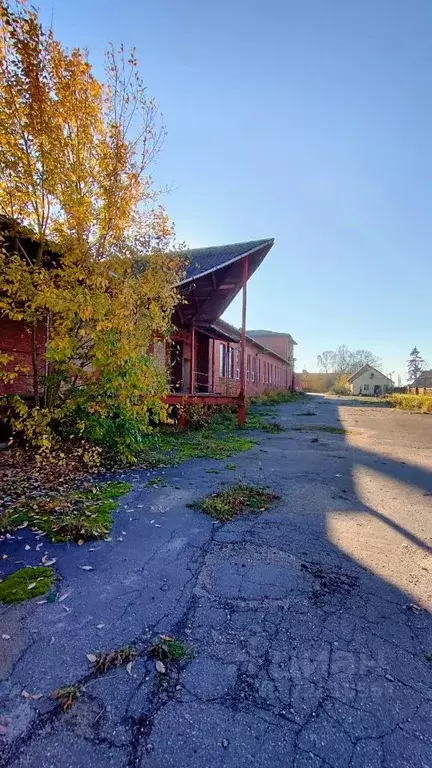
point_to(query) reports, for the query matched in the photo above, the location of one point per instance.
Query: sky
(309, 121)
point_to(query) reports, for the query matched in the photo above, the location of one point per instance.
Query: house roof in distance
(423, 380)
(363, 370)
(262, 332)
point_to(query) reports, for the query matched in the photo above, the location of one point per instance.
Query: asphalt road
(309, 622)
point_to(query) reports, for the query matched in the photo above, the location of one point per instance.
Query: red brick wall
(282, 345)
(15, 340)
(257, 377)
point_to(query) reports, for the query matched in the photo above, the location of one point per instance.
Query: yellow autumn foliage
(92, 258)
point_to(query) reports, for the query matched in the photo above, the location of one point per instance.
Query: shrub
(421, 403)
(196, 414)
(341, 386)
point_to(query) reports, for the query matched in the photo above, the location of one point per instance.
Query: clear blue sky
(306, 121)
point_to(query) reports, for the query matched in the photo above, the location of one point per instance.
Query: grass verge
(235, 500)
(416, 403)
(275, 398)
(219, 440)
(75, 515)
(25, 584)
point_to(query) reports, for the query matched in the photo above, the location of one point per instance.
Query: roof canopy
(213, 279)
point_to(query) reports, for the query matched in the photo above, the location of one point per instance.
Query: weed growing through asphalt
(157, 482)
(235, 500)
(66, 696)
(105, 660)
(25, 584)
(306, 413)
(76, 515)
(232, 467)
(166, 648)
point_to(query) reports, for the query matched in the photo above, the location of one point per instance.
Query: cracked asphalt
(310, 622)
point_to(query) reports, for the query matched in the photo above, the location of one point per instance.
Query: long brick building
(204, 357)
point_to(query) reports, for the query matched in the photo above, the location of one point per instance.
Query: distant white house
(369, 381)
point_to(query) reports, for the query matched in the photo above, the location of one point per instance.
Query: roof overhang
(208, 294)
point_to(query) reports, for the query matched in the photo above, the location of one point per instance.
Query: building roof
(270, 333)
(213, 277)
(201, 261)
(423, 380)
(234, 334)
(364, 369)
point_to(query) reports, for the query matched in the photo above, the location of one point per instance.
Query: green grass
(17, 587)
(75, 515)
(275, 398)
(219, 440)
(235, 500)
(320, 428)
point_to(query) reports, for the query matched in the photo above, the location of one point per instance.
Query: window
(238, 361)
(248, 365)
(365, 386)
(253, 368)
(231, 363)
(271, 373)
(222, 361)
(259, 370)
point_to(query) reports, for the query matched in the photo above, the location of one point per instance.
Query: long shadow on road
(309, 622)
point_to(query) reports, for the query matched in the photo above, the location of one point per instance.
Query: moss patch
(177, 446)
(320, 428)
(75, 515)
(235, 500)
(25, 584)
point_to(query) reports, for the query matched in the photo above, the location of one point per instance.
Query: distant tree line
(344, 360)
(335, 366)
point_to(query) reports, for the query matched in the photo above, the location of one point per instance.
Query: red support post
(227, 367)
(213, 365)
(192, 362)
(242, 395)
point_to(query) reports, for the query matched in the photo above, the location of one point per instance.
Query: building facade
(203, 357)
(265, 369)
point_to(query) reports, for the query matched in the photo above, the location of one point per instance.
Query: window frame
(222, 360)
(238, 364)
